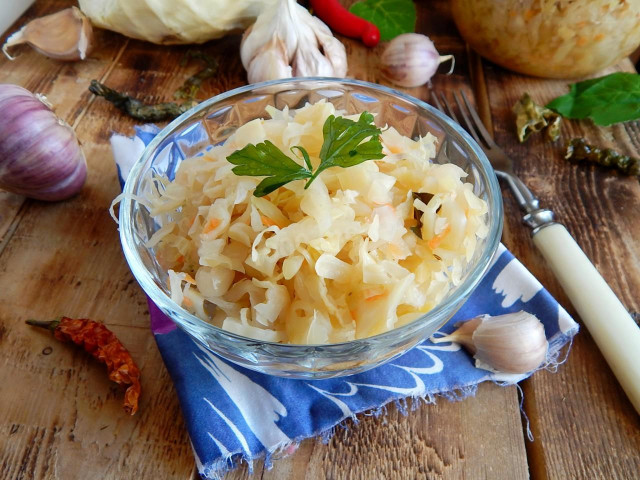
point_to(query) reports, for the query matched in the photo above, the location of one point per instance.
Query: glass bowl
(211, 123)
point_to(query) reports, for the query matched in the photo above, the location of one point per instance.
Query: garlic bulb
(511, 343)
(411, 59)
(40, 156)
(287, 41)
(64, 35)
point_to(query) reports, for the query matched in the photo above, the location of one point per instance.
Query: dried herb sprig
(161, 111)
(578, 150)
(192, 85)
(136, 108)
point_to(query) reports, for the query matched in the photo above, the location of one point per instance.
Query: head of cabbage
(174, 22)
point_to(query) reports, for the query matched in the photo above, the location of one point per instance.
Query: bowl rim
(164, 302)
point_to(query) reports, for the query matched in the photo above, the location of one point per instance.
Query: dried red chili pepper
(103, 345)
(341, 20)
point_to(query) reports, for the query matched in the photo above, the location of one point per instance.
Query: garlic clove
(304, 46)
(411, 59)
(269, 63)
(511, 343)
(65, 35)
(332, 48)
(463, 335)
(309, 62)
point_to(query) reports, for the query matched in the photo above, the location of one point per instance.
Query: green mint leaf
(265, 159)
(606, 100)
(392, 17)
(344, 144)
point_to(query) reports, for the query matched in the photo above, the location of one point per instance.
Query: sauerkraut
(550, 38)
(363, 250)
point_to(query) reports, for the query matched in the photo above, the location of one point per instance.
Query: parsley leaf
(606, 100)
(343, 146)
(267, 159)
(392, 17)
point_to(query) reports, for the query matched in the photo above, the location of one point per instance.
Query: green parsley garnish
(343, 146)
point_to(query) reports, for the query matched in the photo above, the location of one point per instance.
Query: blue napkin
(233, 413)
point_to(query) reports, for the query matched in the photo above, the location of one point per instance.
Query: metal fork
(535, 216)
(608, 321)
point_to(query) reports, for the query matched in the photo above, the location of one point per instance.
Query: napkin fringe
(218, 469)
(556, 345)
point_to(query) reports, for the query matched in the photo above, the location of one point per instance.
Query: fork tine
(467, 120)
(479, 125)
(450, 111)
(436, 102)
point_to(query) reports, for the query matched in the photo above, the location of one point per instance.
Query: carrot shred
(187, 301)
(267, 222)
(394, 149)
(212, 225)
(437, 240)
(189, 279)
(393, 209)
(373, 298)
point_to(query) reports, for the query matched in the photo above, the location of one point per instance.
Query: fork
(608, 321)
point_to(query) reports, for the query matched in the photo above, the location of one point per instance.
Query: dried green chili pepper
(531, 117)
(161, 111)
(578, 150)
(192, 84)
(137, 109)
(103, 345)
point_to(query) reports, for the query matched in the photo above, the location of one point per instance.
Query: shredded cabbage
(332, 263)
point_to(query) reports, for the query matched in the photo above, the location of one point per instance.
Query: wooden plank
(10, 214)
(61, 417)
(584, 425)
(442, 441)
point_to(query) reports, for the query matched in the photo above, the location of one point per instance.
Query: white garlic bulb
(411, 59)
(511, 343)
(287, 41)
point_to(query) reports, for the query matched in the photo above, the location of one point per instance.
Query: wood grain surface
(62, 419)
(582, 405)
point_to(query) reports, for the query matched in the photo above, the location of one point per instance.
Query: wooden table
(60, 416)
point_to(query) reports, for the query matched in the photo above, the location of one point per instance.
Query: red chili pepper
(103, 345)
(346, 23)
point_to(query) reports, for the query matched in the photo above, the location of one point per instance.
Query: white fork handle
(610, 325)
